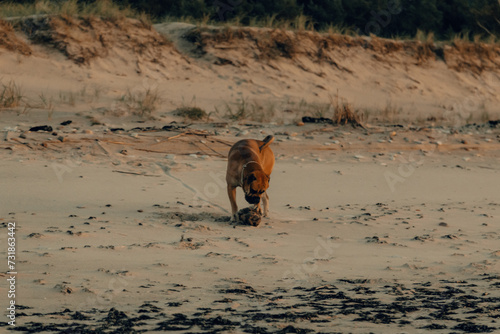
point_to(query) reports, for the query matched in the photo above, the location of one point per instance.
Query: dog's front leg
(258, 208)
(231, 193)
(265, 203)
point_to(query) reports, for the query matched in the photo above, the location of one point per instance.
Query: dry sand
(392, 229)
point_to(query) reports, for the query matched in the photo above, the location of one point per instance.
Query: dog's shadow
(247, 217)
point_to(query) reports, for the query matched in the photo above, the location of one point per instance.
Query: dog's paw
(257, 209)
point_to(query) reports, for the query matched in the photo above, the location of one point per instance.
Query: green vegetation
(385, 18)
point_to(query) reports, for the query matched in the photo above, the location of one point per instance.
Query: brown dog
(249, 166)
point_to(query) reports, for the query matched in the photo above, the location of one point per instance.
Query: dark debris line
(455, 306)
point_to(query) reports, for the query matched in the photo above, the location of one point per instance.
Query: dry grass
(46, 103)
(298, 23)
(9, 40)
(84, 39)
(102, 8)
(277, 42)
(424, 47)
(254, 110)
(262, 112)
(193, 113)
(344, 113)
(340, 30)
(391, 112)
(84, 95)
(319, 109)
(68, 98)
(236, 111)
(280, 44)
(474, 56)
(269, 43)
(141, 103)
(11, 95)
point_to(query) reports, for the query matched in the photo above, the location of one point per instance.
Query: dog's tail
(267, 141)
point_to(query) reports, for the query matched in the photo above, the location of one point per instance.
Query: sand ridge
(103, 60)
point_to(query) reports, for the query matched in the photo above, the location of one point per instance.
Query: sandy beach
(122, 221)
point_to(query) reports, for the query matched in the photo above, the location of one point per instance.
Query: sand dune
(123, 221)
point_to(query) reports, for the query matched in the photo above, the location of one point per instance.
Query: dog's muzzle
(252, 199)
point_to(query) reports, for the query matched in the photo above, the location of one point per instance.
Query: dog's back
(252, 149)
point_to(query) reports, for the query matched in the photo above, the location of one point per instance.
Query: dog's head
(256, 183)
